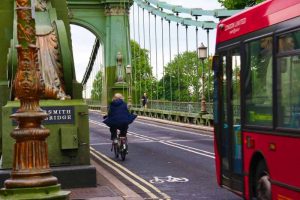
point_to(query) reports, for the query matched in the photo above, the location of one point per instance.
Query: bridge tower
(108, 21)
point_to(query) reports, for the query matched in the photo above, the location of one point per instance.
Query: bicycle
(120, 147)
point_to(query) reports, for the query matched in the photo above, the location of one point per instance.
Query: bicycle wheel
(116, 150)
(123, 149)
(123, 153)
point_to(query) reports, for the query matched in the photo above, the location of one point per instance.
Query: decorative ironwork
(120, 68)
(50, 66)
(30, 163)
(116, 10)
(41, 5)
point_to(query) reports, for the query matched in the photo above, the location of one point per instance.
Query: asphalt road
(164, 161)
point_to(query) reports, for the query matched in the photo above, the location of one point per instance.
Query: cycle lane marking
(169, 143)
(114, 165)
(169, 179)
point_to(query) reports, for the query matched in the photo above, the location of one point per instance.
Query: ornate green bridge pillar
(117, 48)
(108, 20)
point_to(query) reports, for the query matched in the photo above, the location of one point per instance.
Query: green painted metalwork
(218, 13)
(108, 20)
(50, 192)
(57, 155)
(6, 35)
(91, 62)
(67, 149)
(174, 18)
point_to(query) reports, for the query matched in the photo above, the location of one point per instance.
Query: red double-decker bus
(257, 101)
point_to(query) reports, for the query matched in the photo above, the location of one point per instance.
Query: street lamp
(202, 55)
(128, 72)
(31, 176)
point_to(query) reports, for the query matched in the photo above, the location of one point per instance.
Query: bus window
(231, 134)
(225, 136)
(258, 83)
(288, 87)
(289, 42)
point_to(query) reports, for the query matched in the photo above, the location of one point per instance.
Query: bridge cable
(120, 50)
(97, 71)
(186, 38)
(135, 56)
(145, 58)
(163, 61)
(178, 68)
(156, 58)
(150, 58)
(127, 26)
(187, 50)
(170, 60)
(140, 63)
(197, 68)
(208, 81)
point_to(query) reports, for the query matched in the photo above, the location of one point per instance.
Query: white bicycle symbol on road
(169, 179)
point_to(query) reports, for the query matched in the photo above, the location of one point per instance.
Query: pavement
(109, 187)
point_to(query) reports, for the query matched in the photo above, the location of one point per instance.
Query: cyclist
(118, 117)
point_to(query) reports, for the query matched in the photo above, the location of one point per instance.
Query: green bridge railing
(184, 112)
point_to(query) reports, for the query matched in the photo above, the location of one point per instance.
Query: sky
(82, 46)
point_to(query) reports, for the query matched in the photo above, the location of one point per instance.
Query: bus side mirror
(215, 62)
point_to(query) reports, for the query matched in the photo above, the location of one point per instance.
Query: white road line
(143, 136)
(173, 129)
(102, 143)
(184, 147)
(131, 141)
(114, 166)
(169, 143)
(203, 154)
(140, 136)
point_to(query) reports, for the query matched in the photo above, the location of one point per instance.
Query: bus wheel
(263, 184)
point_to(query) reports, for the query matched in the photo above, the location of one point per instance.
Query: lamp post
(128, 72)
(202, 55)
(31, 176)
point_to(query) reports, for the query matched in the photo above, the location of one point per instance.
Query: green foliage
(182, 80)
(97, 87)
(142, 78)
(238, 4)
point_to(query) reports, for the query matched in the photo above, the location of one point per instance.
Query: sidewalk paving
(108, 187)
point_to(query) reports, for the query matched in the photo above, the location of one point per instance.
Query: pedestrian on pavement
(118, 117)
(144, 100)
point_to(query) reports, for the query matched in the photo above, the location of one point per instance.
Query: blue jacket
(118, 114)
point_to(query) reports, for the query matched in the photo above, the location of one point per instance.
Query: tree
(97, 87)
(238, 4)
(142, 78)
(182, 79)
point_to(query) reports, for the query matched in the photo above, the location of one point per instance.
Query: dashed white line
(169, 143)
